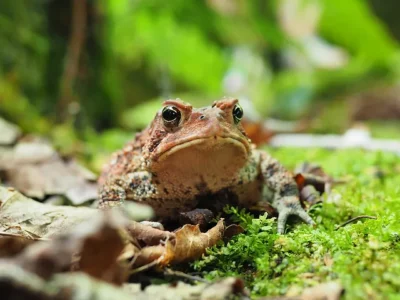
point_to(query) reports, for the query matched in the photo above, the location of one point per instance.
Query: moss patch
(364, 256)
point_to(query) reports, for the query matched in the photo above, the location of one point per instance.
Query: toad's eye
(171, 116)
(237, 113)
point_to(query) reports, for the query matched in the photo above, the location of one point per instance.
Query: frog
(189, 157)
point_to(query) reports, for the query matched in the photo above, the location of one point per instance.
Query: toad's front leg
(286, 194)
(136, 186)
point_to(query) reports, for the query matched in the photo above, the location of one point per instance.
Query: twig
(333, 141)
(74, 50)
(23, 237)
(170, 272)
(147, 266)
(355, 219)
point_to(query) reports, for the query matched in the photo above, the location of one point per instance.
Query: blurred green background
(89, 73)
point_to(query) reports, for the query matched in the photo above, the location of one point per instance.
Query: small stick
(170, 272)
(355, 219)
(5, 234)
(147, 266)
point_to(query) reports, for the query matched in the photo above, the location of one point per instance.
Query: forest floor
(355, 245)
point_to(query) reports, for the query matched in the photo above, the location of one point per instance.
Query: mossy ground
(364, 256)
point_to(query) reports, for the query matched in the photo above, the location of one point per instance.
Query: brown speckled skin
(206, 160)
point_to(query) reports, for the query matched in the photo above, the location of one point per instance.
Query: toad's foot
(291, 206)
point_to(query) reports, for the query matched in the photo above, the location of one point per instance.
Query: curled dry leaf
(149, 235)
(189, 244)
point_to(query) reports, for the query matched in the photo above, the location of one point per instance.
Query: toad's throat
(207, 144)
(212, 162)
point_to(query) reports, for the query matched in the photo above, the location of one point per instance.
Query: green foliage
(350, 23)
(23, 53)
(136, 51)
(169, 46)
(364, 256)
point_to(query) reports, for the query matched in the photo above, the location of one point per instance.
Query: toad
(191, 158)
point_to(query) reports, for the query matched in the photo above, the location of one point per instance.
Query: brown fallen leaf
(189, 244)
(257, 132)
(92, 247)
(13, 245)
(102, 244)
(102, 239)
(149, 235)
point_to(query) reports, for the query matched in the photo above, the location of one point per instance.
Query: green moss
(364, 256)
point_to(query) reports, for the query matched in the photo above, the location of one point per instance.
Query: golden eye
(171, 116)
(237, 113)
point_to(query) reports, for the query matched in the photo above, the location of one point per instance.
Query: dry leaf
(95, 245)
(20, 284)
(190, 243)
(149, 235)
(9, 132)
(220, 290)
(26, 217)
(101, 245)
(17, 283)
(257, 132)
(13, 245)
(34, 168)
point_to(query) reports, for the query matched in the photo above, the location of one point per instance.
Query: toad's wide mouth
(212, 141)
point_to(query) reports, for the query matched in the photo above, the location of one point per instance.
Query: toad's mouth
(206, 144)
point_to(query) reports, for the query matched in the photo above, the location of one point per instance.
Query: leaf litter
(62, 239)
